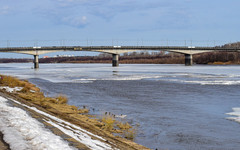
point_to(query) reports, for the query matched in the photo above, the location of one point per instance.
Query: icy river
(172, 106)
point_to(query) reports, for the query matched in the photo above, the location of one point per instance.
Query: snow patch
(74, 131)
(32, 91)
(11, 90)
(22, 132)
(121, 116)
(81, 137)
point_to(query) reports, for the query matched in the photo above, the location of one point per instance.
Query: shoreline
(132, 63)
(3, 144)
(84, 122)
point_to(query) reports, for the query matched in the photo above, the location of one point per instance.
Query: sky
(118, 22)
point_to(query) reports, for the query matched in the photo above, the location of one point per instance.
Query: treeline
(140, 58)
(217, 57)
(12, 60)
(131, 58)
(231, 45)
(155, 58)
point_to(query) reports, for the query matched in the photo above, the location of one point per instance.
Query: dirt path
(3, 144)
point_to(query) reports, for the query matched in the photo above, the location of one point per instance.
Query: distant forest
(144, 57)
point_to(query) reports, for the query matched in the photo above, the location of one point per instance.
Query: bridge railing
(111, 42)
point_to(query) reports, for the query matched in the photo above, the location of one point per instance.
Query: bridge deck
(115, 51)
(93, 48)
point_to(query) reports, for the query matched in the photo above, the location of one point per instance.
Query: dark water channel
(170, 115)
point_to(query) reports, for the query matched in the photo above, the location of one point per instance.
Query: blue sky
(109, 21)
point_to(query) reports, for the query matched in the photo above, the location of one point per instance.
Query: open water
(173, 106)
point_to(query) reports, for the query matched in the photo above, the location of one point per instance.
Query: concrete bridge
(116, 51)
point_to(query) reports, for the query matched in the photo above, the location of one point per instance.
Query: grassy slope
(57, 106)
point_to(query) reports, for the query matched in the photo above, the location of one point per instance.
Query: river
(172, 106)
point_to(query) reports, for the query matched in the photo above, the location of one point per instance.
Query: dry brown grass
(62, 99)
(127, 131)
(130, 133)
(108, 122)
(58, 105)
(221, 63)
(9, 81)
(83, 111)
(123, 126)
(14, 82)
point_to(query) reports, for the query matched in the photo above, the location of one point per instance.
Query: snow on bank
(23, 132)
(81, 137)
(79, 134)
(11, 90)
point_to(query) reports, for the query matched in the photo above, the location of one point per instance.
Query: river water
(173, 106)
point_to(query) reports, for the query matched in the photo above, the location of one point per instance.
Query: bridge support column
(36, 62)
(115, 60)
(188, 60)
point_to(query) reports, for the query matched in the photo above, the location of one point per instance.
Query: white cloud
(74, 12)
(79, 21)
(70, 3)
(4, 10)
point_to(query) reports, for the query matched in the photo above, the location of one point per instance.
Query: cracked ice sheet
(22, 132)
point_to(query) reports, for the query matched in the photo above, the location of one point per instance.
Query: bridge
(188, 51)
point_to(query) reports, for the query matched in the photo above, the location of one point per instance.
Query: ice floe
(235, 114)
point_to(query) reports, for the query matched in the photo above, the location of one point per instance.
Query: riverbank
(59, 117)
(3, 144)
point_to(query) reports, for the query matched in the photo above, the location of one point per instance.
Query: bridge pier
(188, 60)
(115, 60)
(36, 62)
